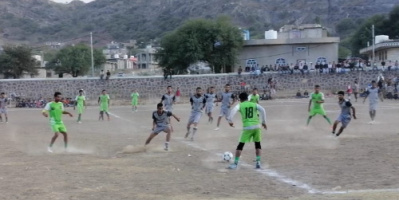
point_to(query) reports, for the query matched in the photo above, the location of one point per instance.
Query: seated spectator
(306, 94)
(298, 94)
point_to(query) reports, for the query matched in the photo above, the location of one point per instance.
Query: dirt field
(299, 162)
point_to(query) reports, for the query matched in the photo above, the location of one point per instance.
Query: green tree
(213, 41)
(16, 61)
(75, 60)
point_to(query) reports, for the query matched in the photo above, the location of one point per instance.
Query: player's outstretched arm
(262, 112)
(310, 103)
(153, 125)
(232, 113)
(176, 117)
(45, 110)
(67, 113)
(44, 113)
(354, 112)
(99, 99)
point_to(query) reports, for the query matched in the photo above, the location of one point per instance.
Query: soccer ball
(227, 156)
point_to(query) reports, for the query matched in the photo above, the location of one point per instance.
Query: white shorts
(373, 106)
(159, 129)
(3, 110)
(209, 108)
(224, 112)
(344, 119)
(194, 117)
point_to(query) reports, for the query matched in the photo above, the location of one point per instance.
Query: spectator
(178, 94)
(296, 67)
(306, 68)
(339, 66)
(108, 75)
(389, 65)
(396, 65)
(325, 67)
(239, 71)
(383, 65)
(306, 94)
(375, 66)
(298, 94)
(102, 74)
(292, 68)
(317, 68)
(329, 67)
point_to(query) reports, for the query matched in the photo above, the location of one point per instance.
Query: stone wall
(151, 88)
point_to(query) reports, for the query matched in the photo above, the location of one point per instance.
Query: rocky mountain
(38, 21)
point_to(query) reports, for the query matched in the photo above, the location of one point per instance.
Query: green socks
(257, 158)
(308, 121)
(328, 120)
(236, 160)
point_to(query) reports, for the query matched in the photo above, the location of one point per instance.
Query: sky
(67, 1)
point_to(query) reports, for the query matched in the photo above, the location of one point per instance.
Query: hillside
(38, 21)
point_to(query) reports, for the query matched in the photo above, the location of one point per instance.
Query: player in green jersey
(317, 99)
(80, 104)
(55, 110)
(135, 99)
(104, 102)
(254, 97)
(251, 125)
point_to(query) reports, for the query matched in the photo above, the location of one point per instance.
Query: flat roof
(267, 42)
(380, 46)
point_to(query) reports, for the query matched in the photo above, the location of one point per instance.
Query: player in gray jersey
(197, 105)
(161, 123)
(345, 117)
(168, 100)
(227, 99)
(210, 103)
(373, 95)
(3, 107)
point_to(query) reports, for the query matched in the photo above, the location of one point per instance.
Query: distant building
(307, 43)
(116, 55)
(55, 45)
(146, 58)
(385, 50)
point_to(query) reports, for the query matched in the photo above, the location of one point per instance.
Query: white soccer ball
(227, 156)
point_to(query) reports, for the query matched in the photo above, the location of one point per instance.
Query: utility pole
(372, 30)
(92, 57)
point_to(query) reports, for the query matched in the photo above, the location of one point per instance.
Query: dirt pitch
(299, 162)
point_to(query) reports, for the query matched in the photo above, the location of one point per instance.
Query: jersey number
(249, 112)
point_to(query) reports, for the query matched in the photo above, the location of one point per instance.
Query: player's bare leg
(309, 118)
(218, 124)
(65, 140)
(258, 151)
(107, 116)
(340, 130)
(152, 135)
(170, 124)
(52, 142)
(210, 120)
(194, 131)
(188, 130)
(327, 119)
(168, 133)
(101, 117)
(335, 127)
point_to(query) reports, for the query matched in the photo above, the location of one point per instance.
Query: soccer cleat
(232, 166)
(49, 150)
(217, 128)
(257, 165)
(166, 147)
(187, 134)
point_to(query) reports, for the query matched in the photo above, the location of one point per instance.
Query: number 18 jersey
(249, 114)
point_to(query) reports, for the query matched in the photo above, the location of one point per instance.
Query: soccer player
(210, 103)
(168, 100)
(55, 110)
(104, 102)
(250, 120)
(161, 123)
(373, 95)
(254, 97)
(317, 98)
(81, 104)
(228, 99)
(198, 102)
(345, 117)
(3, 107)
(356, 89)
(135, 99)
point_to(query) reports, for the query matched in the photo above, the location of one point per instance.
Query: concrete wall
(153, 87)
(267, 55)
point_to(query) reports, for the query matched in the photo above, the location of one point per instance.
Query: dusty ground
(299, 162)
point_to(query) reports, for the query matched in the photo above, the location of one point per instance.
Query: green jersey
(80, 100)
(104, 99)
(135, 96)
(253, 98)
(249, 114)
(55, 112)
(317, 97)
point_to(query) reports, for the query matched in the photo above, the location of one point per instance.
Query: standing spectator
(389, 65)
(396, 65)
(239, 71)
(291, 68)
(317, 67)
(325, 67)
(330, 67)
(102, 74)
(178, 94)
(349, 91)
(375, 66)
(306, 68)
(334, 66)
(301, 68)
(356, 89)
(383, 65)
(108, 75)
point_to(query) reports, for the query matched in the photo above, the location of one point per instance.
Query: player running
(254, 97)
(104, 102)
(317, 98)
(135, 99)
(228, 99)
(373, 95)
(3, 107)
(168, 100)
(250, 120)
(198, 102)
(345, 117)
(55, 110)
(161, 123)
(210, 103)
(81, 104)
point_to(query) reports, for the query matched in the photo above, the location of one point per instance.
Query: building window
(301, 49)
(281, 62)
(251, 63)
(321, 60)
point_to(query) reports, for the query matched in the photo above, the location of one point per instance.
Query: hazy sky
(67, 1)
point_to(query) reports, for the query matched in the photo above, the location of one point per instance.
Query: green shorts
(58, 128)
(253, 135)
(134, 103)
(80, 109)
(104, 108)
(314, 112)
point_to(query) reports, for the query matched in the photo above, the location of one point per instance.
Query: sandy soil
(106, 160)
